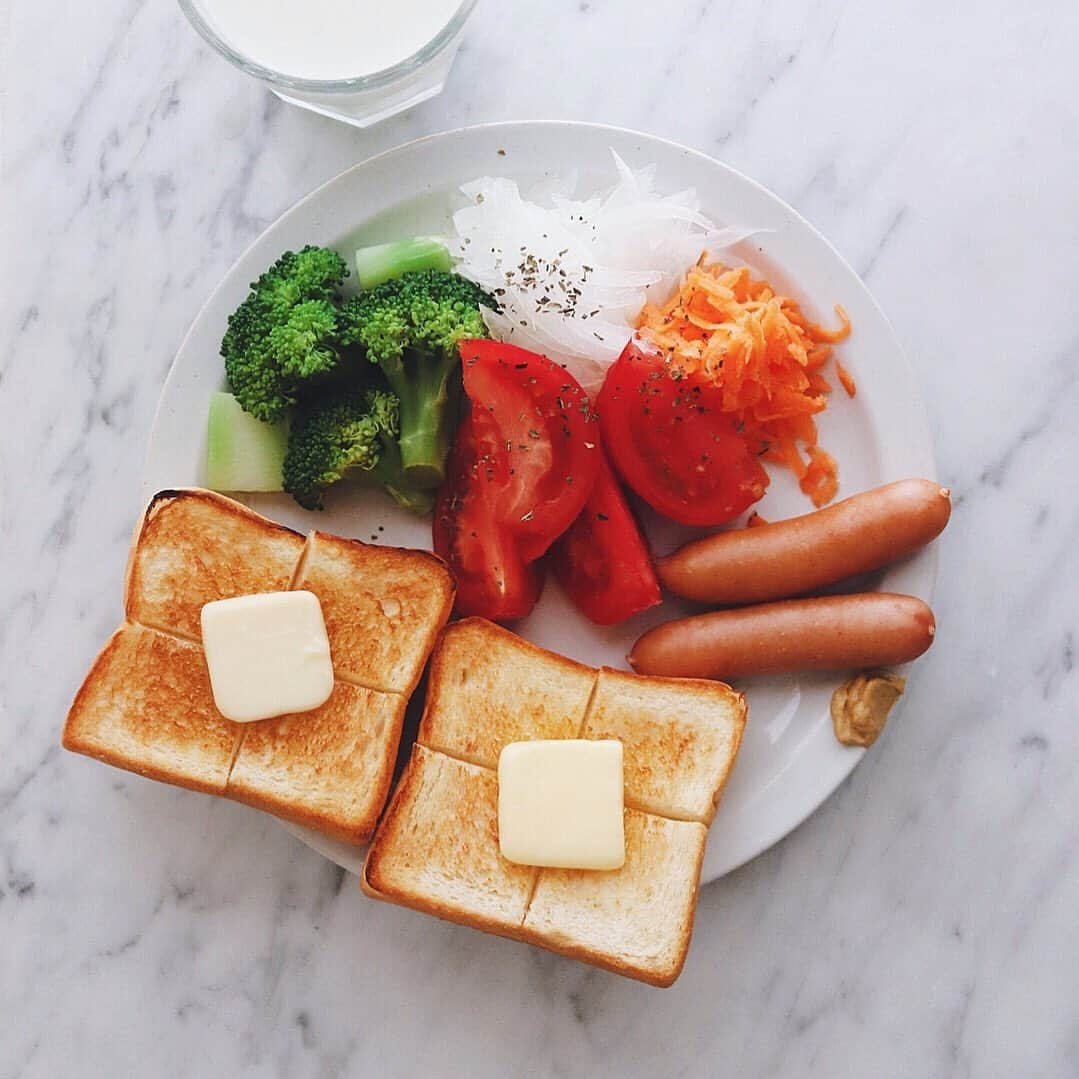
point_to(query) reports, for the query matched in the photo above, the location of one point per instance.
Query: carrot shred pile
(765, 356)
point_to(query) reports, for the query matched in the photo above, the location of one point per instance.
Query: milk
(327, 39)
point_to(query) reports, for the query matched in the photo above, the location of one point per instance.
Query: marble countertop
(922, 923)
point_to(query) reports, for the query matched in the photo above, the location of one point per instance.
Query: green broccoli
(284, 337)
(411, 326)
(346, 434)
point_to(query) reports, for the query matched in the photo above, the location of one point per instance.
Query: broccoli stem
(418, 502)
(385, 261)
(430, 396)
(388, 475)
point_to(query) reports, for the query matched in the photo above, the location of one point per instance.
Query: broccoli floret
(335, 435)
(411, 326)
(284, 336)
(352, 435)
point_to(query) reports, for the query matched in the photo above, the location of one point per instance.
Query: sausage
(788, 558)
(871, 629)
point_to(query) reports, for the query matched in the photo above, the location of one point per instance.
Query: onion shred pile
(571, 274)
(764, 355)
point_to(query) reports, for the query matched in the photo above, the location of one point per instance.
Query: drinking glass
(365, 99)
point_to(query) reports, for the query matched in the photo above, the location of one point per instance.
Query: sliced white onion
(571, 274)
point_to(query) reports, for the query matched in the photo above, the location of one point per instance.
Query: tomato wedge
(523, 465)
(603, 561)
(547, 434)
(672, 444)
(492, 578)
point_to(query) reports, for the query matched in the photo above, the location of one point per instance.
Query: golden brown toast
(195, 546)
(680, 735)
(488, 687)
(146, 704)
(329, 769)
(636, 921)
(437, 850)
(383, 607)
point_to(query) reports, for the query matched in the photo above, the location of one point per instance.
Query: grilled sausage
(792, 557)
(871, 629)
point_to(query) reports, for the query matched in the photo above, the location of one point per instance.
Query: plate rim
(929, 555)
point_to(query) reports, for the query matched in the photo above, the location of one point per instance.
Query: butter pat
(268, 654)
(560, 804)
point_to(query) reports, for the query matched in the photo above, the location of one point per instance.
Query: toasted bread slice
(488, 687)
(635, 921)
(146, 706)
(680, 737)
(437, 848)
(383, 607)
(195, 546)
(328, 769)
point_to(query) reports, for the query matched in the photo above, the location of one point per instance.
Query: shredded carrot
(821, 479)
(764, 355)
(846, 379)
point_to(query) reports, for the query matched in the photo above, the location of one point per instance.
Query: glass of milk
(355, 60)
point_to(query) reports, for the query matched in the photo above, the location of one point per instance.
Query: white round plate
(789, 761)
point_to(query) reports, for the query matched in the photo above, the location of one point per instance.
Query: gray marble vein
(922, 923)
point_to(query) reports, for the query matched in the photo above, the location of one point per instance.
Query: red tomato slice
(492, 579)
(547, 434)
(603, 561)
(671, 443)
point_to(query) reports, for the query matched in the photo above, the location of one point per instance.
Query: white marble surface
(921, 924)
